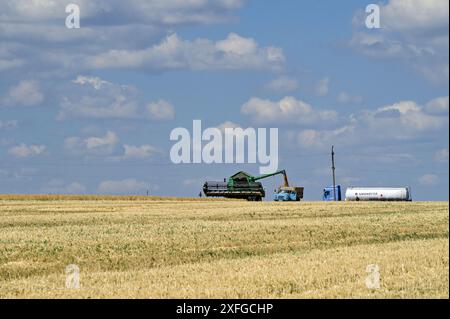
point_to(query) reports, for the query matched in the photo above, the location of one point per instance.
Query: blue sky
(90, 110)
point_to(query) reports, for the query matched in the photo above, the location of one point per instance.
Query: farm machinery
(245, 186)
(288, 193)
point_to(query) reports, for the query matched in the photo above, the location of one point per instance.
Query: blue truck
(328, 193)
(287, 193)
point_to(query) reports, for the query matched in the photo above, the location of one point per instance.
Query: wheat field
(140, 247)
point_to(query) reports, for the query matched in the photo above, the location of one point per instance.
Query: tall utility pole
(333, 168)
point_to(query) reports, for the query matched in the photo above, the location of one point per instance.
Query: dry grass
(163, 248)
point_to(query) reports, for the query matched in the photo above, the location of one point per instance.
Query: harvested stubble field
(137, 247)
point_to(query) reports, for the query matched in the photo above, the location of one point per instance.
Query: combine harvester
(245, 186)
(378, 194)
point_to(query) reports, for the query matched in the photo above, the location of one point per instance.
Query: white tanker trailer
(378, 193)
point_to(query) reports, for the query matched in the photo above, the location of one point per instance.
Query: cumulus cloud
(24, 150)
(96, 82)
(404, 120)
(127, 186)
(322, 139)
(26, 93)
(282, 84)
(94, 145)
(106, 25)
(415, 15)
(161, 110)
(234, 52)
(288, 110)
(405, 114)
(44, 10)
(429, 180)
(438, 105)
(95, 98)
(227, 124)
(153, 13)
(58, 186)
(413, 31)
(139, 152)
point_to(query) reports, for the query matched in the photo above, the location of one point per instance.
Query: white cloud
(26, 93)
(414, 32)
(405, 115)
(235, 52)
(139, 152)
(105, 24)
(429, 180)
(404, 120)
(103, 145)
(126, 186)
(24, 150)
(95, 98)
(322, 139)
(161, 110)
(441, 156)
(346, 98)
(237, 45)
(57, 186)
(322, 87)
(415, 15)
(98, 142)
(288, 109)
(282, 84)
(155, 12)
(438, 105)
(45, 10)
(95, 82)
(227, 124)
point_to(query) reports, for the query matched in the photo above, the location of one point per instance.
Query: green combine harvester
(245, 186)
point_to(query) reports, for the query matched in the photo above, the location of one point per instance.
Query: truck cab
(328, 193)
